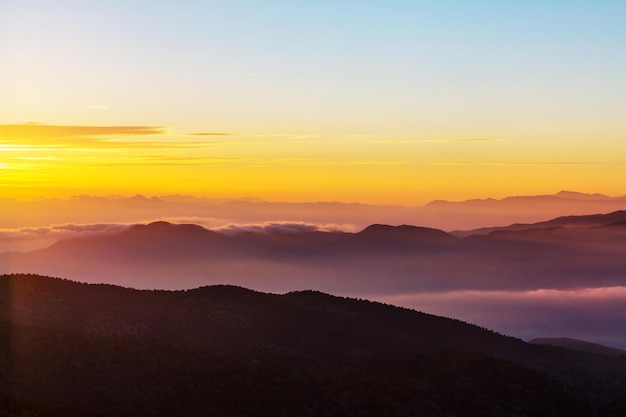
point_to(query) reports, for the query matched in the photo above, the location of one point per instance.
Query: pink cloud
(31, 238)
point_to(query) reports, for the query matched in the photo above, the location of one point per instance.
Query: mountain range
(559, 222)
(559, 277)
(75, 349)
(564, 253)
(441, 214)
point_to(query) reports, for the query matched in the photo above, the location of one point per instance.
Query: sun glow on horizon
(70, 160)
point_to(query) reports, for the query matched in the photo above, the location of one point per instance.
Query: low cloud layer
(591, 314)
(31, 238)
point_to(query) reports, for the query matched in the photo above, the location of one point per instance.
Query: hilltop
(76, 349)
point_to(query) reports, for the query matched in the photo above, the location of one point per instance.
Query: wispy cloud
(32, 238)
(210, 134)
(34, 136)
(164, 160)
(59, 231)
(321, 162)
(37, 130)
(527, 163)
(457, 140)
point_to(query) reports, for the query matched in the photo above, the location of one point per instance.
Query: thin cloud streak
(59, 231)
(407, 141)
(552, 295)
(32, 238)
(37, 130)
(319, 162)
(508, 163)
(163, 160)
(210, 134)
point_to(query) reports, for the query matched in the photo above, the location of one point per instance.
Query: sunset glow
(61, 161)
(396, 103)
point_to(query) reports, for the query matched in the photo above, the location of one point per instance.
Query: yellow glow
(59, 161)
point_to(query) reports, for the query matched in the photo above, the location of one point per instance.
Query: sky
(395, 102)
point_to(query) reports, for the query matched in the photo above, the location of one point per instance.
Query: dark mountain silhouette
(72, 349)
(579, 345)
(406, 233)
(158, 238)
(564, 221)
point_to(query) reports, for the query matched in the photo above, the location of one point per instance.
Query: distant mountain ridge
(564, 221)
(410, 257)
(579, 345)
(561, 195)
(440, 214)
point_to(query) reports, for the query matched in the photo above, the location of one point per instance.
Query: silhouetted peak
(160, 223)
(166, 227)
(579, 196)
(223, 289)
(443, 203)
(615, 218)
(139, 198)
(403, 232)
(310, 295)
(162, 231)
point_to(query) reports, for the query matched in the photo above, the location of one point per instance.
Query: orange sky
(388, 103)
(38, 160)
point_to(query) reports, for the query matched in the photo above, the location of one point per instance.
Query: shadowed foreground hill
(76, 349)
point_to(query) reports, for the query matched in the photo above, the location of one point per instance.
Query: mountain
(578, 345)
(409, 258)
(490, 212)
(405, 233)
(440, 214)
(528, 283)
(575, 195)
(564, 221)
(72, 349)
(163, 249)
